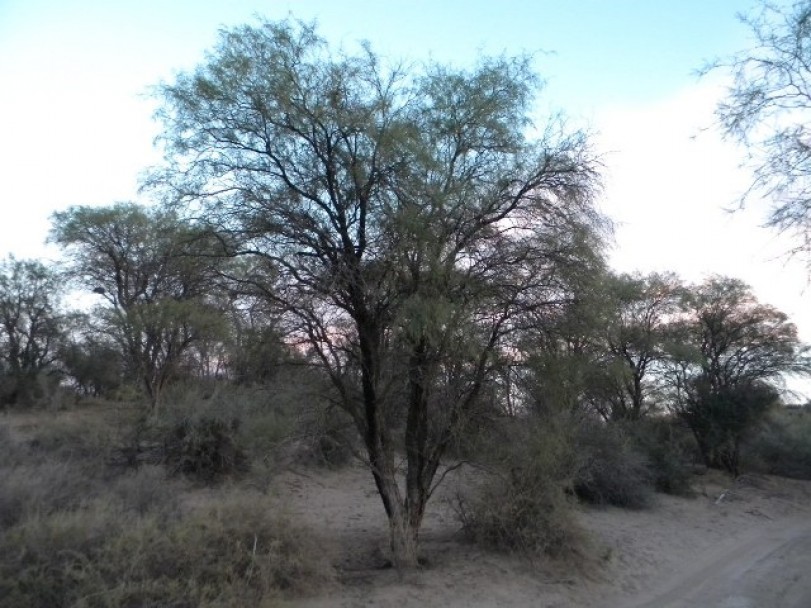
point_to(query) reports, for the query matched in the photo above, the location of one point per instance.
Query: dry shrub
(329, 438)
(43, 488)
(612, 470)
(288, 420)
(51, 560)
(671, 452)
(204, 448)
(12, 450)
(147, 489)
(88, 435)
(523, 506)
(50, 463)
(234, 554)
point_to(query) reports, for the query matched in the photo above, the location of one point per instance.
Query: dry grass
(77, 531)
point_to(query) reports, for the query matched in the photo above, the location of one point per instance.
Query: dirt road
(765, 567)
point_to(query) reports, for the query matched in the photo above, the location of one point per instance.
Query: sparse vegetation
(612, 471)
(76, 530)
(522, 505)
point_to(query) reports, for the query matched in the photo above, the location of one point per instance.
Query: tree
(635, 335)
(598, 355)
(90, 359)
(257, 350)
(767, 108)
(30, 325)
(156, 275)
(404, 226)
(731, 352)
(565, 365)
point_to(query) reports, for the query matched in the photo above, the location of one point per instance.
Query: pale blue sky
(77, 129)
(605, 51)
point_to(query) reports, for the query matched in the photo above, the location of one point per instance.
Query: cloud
(670, 182)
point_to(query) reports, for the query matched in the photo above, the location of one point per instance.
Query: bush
(230, 555)
(612, 471)
(328, 438)
(270, 418)
(524, 505)
(147, 490)
(32, 390)
(670, 450)
(782, 446)
(205, 449)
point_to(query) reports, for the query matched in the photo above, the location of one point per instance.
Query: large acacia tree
(404, 224)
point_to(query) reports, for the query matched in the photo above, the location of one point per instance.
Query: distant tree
(95, 367)
(768, 109)
(635, 336)
(156, 274)
(730, 355)
(89, 359)
(30, 325)
(257, 349)
(566, 367)
(407, 226)
(601, 352)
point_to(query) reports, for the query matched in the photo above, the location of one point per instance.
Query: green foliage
(405, 224)
(635, 336)
(782, 445)
(612, 471)
(721, 419)
(257, 355)
(766, 109)
(206, 449)
(95, 368)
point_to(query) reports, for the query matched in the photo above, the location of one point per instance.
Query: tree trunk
(152, 393)
(637, 398)
(403, 525)
(404, 540)
(402, 529)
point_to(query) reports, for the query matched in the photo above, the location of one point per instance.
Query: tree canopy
(406, 224)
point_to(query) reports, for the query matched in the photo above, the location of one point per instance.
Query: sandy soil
(735, 545)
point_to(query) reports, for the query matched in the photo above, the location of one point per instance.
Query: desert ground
(736, 544)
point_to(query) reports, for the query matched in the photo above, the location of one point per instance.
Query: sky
(76, 113)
